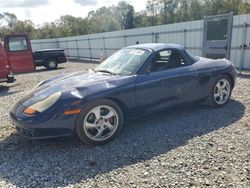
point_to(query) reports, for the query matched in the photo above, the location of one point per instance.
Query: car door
(166, 86)
(3, 68)
(19, 53)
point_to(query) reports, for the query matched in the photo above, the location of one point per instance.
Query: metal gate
(217, 35)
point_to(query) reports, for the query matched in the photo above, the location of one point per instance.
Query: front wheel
(51, 64)
(99, 122)
(221, 91)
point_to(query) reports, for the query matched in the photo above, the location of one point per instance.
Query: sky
(40, 11)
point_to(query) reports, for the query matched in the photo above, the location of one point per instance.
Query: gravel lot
(195, 146)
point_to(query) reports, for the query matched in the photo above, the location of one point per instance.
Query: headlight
(43, 105)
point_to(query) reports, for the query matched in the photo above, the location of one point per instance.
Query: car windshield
(125, 61)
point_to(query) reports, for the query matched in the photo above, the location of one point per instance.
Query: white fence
(188, 34)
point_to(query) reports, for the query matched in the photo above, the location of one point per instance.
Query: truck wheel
(51, 64)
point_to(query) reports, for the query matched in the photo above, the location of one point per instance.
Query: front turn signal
(72, 112)
(30, 111)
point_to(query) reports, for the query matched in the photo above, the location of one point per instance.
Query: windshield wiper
(106, 71)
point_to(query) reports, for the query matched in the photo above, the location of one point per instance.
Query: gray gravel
(194, 146)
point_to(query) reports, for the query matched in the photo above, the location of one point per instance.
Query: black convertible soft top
(160, 46)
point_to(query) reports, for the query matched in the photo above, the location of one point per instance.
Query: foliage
(10, 19)
(123, 16)
(103, 20)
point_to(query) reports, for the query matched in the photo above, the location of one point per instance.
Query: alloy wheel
(100, 123)
(222, 91)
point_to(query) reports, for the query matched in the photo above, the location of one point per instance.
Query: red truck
(16, 56)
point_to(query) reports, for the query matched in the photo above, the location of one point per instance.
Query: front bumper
(41, 126)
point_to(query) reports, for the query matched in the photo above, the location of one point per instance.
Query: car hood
(76, 79)
(69, 82)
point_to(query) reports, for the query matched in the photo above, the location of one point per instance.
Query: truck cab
(15, 56)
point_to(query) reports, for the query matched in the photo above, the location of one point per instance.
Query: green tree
(196, 10)
(26, 26)
(168, 8)
(10, 19)
(141, 19)
(102, 20)
(244, 7)
(125, 14)
(153, 10)
(129, 23)
(71, 26)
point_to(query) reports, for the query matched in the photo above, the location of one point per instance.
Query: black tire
(211, 101)
(85, 135)
(51, 64)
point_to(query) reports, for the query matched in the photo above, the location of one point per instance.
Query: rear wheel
(99, 122)
(51, 64)
(221, 91)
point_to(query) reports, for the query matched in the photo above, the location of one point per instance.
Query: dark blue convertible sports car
(135, 81)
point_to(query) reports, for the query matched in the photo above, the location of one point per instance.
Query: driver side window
(166, 59)
(18, 44)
